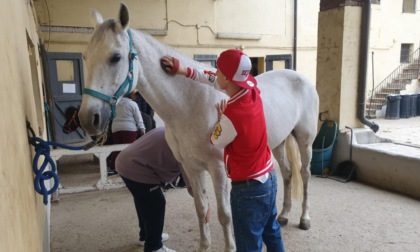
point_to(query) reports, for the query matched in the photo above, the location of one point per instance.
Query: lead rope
(42, 147)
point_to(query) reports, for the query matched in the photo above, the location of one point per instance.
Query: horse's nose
(96, 120)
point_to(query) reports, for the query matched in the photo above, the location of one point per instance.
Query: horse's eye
(115, 58)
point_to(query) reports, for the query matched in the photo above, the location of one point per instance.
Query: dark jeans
(254, 215)
(149, 122)
(150, 207)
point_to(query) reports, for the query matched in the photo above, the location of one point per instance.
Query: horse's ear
(95, 18)
(123, 16)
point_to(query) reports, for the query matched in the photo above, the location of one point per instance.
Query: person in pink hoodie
(144, 166)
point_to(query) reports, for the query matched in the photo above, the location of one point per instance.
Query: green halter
(112, 100)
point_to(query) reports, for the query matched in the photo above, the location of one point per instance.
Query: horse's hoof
(305, 224)
(283, 221)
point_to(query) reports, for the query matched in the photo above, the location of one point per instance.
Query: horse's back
(285, 79)
(290, 102)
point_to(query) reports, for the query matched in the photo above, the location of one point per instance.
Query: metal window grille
(409, 6)
(405, 52)
(206, 59)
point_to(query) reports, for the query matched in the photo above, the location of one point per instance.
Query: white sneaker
(164, 249)
(165, 237)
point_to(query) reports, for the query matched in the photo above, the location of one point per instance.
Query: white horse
(188, 110)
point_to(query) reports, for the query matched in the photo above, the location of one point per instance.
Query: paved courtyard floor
(401, 130)
(344, 216)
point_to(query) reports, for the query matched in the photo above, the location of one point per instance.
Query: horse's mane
(150, 50)
(168, 50)
(101, 31)
(100, 34)
(163, 49)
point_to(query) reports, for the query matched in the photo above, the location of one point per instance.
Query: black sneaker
(111, 172)
(181, 184)
(168, 186)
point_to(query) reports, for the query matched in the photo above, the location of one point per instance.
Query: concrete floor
(402, 130)
(344, 216)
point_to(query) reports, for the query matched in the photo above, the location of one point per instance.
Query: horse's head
(72, 120)
(112, 71)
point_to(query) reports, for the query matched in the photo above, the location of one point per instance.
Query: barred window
(406, 50)
(409, 6)
(206, 59)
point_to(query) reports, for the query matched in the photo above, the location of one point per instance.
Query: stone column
(339, 26)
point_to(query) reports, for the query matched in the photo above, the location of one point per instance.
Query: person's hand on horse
(171, 65)
(221, 108)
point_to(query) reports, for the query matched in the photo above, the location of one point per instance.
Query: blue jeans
(150, 207)
(254, 215)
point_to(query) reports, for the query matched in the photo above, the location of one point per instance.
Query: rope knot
(42, 148)
(42, 176)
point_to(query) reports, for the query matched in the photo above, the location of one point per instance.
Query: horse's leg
(304, 141)
(286, 172)
(305, 149)
(198, 186)
(224, 213)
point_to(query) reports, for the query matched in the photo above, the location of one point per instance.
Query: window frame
(405, 52)
(405, 7)
(212, 58)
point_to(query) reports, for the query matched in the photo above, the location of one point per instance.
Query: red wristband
(175, 67)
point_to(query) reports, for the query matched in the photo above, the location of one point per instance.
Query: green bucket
(323, 146)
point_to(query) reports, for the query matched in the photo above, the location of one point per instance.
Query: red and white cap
(236, 66)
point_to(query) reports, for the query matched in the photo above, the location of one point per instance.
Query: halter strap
(67, 127)
(112, 100)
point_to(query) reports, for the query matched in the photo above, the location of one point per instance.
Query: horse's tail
(293, 155)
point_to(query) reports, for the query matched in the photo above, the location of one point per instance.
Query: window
(206, 59)
(409, 6)
(65, 70)
(279, 61)
(406, 50)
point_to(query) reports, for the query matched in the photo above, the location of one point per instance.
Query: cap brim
(250, 83)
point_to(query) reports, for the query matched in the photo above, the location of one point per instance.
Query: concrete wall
(338, 53)
(380, 162)
(192, 26)
(22, 213)
(337, 63)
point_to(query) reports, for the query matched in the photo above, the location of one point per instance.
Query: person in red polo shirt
(241, 131)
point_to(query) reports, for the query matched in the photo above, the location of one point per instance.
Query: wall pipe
(373, 87)
(363, 59)
(294, 35)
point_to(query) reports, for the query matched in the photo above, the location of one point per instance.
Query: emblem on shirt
(217, 131)
(250, 83)
(211, 75)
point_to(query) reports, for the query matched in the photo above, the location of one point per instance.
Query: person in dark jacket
(146, 111)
